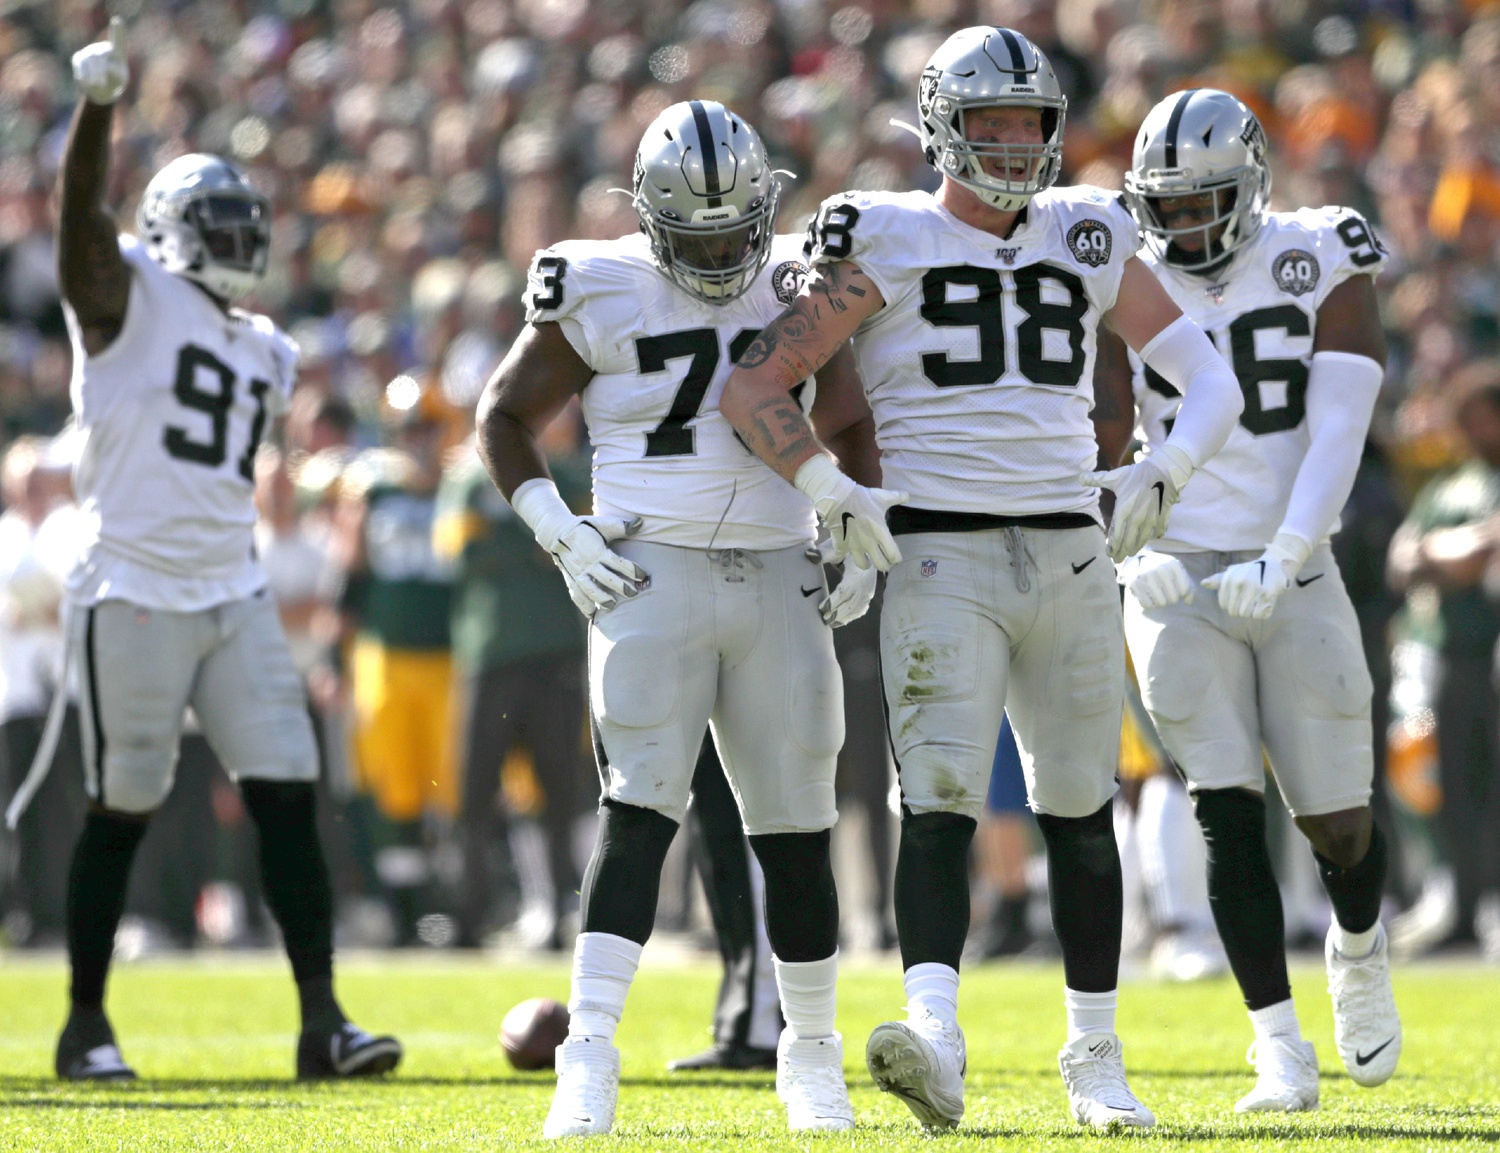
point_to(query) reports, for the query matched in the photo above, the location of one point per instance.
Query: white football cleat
(922, 1061)
(810, 1082)
(1366, 1026)
(588, 1084)
(1093, 1069)
(1286, 1077)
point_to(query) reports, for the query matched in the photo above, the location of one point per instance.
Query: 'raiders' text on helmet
(979, 68)
(707, 199)
(1192, 143)
(201, 218)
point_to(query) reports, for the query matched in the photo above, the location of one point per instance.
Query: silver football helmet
(200, 218)
(981, 67)
(1194, 142)
(707, 199)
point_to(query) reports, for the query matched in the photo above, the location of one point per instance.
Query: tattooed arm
(757, 401)
(94, 277)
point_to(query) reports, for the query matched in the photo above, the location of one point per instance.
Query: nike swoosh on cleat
(1302, 584)
(1161, 495)
(1078, 568)
(809, 592)
(1366, 1058)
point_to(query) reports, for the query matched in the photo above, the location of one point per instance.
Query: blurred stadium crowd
(419, 152)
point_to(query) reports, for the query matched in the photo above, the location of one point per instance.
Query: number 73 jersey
(1261, 314)
(171, 414)
(662, 450)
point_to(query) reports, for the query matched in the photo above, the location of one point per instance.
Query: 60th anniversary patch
(1296, 271)
(1090, 243)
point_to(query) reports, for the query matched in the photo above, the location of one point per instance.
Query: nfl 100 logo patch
(929, 568)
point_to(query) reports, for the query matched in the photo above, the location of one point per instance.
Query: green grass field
(213, 1043)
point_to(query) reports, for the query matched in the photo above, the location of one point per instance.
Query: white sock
(1353, 945)
(932, 987)
(808, 995)
(1278, 1020)
(1089, 1012)
(603, 967)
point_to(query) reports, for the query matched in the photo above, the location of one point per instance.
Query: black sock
(1355, 893)
(1242, 893)
(298, 891)
(1087, 896)
(932, 887)
(802, 904)
(96, 898)
(624, 874)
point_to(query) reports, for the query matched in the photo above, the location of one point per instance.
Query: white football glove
(1144, 495)
(101, 69)
(598, 578)
(1157, 579)
(854, 514)
(851, 600)
(1252, 588)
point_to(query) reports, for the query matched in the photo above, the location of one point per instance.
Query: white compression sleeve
(1342, 388)
(1211, 397)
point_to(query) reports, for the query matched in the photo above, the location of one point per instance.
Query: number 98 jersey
(662, 450)
(172, 413)
(1261, 314)
(979, 368)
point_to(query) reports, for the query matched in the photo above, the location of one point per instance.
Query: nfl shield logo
(929, 568)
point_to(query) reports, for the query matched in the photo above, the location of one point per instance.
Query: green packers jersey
(409, 589)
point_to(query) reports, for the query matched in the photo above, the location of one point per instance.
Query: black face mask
(236, 230)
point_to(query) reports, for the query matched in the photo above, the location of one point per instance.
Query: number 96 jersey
(979, 368)
(1261, 313)
(660, 356)
(172, 413)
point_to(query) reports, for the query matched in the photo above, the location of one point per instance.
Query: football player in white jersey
(700, 576)
(1271, 656)
(173, 389)
(974, 314)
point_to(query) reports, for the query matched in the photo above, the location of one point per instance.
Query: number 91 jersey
(979, 368)
(662, 450)
(1261, 314)
(172, 413)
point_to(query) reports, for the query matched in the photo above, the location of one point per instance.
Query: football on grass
(532, 1031)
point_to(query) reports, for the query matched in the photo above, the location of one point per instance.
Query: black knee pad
(937, 831)
(278, 803)
(1234, 829)
(620, 886)
(802, 904)
(1086, 843)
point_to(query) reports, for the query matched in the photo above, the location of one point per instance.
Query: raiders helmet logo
(927, 89)
(1090, 243)
(787, 279)
(1296, 272)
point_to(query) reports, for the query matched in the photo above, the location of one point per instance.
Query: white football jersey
(1261, 313)
(171, 415)
(662, 450)
(980, 367)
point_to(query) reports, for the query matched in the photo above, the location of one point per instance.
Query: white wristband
(538, 503)
(1290, 551)
(819, 478)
